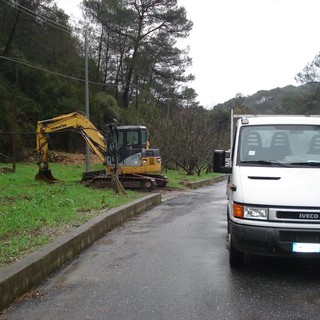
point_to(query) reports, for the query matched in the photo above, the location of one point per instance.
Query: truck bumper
(272, 241)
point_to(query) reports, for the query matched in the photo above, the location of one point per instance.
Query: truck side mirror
(219, 162)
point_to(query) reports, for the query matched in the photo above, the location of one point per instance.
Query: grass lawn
(32, 213)
(178, 179)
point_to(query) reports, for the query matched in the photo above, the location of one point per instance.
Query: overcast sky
(243, 46)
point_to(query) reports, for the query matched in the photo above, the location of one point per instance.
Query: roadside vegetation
(33, 213)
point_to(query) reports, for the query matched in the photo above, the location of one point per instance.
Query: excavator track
(127, 181)
(161, 180)
(100, 179)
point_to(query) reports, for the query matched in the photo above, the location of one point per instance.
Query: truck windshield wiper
(306, 163)
(265, 162)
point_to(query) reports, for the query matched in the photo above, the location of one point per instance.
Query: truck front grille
(299, 215)
(295, 215)
(300, 236)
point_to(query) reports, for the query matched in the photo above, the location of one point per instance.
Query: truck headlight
(255, 213)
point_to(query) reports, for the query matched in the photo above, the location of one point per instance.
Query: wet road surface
(171, 263)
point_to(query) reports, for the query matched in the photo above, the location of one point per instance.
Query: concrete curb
(206, 182)
(21, 276)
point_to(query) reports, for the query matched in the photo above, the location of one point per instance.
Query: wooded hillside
(137, 75)
(303, 99)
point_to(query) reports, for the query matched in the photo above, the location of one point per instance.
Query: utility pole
(14, 119)
(168, 104)
(88, 166)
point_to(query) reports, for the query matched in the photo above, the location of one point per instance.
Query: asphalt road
(172, 263)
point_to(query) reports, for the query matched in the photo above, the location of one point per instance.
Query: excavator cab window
(132, 138)
(144, 137)
(120, 140)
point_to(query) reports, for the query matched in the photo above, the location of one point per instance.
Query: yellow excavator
(124, 150)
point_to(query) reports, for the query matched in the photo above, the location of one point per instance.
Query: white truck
(273, 186)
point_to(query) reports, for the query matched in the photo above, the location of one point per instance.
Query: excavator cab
(133, 153)
(131, 140)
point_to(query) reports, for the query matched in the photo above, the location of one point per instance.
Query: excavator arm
(76, 121)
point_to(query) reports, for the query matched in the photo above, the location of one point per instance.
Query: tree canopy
(136, 47)
(138, 74)
(137, 71)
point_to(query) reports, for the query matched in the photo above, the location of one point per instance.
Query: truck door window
(233, 146)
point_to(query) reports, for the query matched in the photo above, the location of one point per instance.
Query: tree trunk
(13, 30)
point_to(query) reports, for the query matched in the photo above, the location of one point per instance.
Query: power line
(34, 14)
(28, 64)
(25, 157)
(64, 29)
(16, 132)
(16, 158)
(45, 19)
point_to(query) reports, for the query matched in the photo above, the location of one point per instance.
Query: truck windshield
(266, 145)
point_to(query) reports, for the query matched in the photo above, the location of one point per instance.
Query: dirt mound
(6, 170)
(71, 158)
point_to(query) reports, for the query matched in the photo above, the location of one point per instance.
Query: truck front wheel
(235, 256)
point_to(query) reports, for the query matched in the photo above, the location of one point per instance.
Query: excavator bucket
(45, 175)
